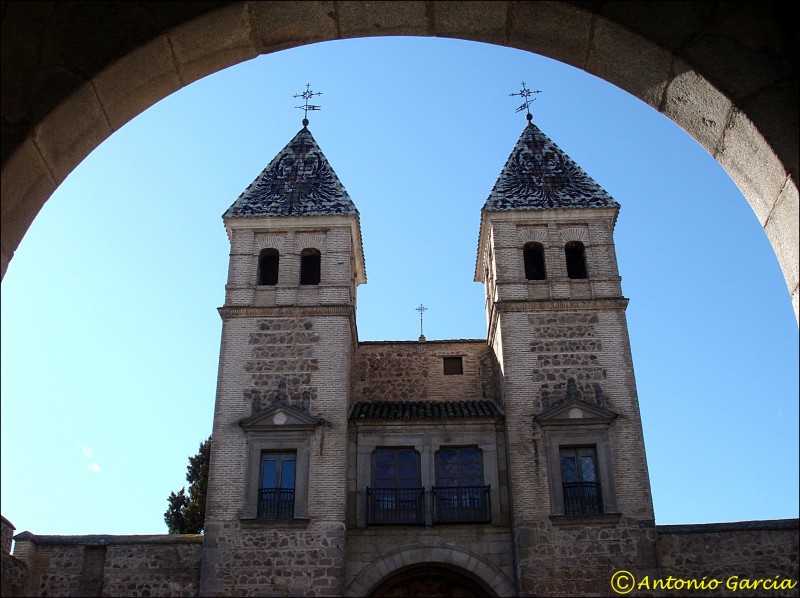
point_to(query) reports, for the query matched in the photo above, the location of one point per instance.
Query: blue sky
(110, 335)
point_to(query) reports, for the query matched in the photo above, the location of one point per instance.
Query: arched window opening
(310, 260)
(576, 259)
(533, 255)
(268, 261)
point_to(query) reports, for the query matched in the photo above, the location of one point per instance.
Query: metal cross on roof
(421, 309)
(526, 105)
(307, 95)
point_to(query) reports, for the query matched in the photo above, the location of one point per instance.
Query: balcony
(582, 498)
(406, 506)
(276, 503)
(461, 504)
(395, 506)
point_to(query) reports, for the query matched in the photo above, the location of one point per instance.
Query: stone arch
(673, 56)
(374, 574)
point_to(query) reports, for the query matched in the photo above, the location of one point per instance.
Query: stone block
(282, 25)
(782, 231)
(71, 131)
(360, 19)
(26, 185)
(554, 29)
(138, 80)
(629, 61)
(213, 42)
(477, 21)
(697, 107)
(751, 164)
(780, 133)
(739, 67)
(671, 25)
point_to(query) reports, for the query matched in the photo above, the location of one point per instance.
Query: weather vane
(526, 105)
(307, 95)
(421, 309)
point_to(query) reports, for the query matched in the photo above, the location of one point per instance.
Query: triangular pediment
(299, 181)
(575, 412)
(279, 416)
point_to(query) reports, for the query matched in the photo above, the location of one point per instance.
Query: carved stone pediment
(279, 416)
(575, 413)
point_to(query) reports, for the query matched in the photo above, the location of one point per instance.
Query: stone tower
(288, 339)
(556, 320)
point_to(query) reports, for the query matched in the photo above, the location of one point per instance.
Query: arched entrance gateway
(432, 581)
(75, 73)
(428, 572)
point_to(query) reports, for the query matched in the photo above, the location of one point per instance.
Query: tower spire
(525, 93)
(307, 95)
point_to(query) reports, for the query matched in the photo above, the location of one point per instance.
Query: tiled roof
(298, 182)
(393, 410)
(539, 175)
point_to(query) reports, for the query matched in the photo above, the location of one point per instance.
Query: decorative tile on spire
(298, 182)
(539, 175)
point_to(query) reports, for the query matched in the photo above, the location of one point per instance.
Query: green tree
(186, 514)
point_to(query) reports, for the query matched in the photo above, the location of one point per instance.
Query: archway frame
(750, 128)
(455, 558)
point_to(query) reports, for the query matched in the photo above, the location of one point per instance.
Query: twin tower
(511, 465)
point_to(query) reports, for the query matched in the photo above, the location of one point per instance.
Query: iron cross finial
(307, 95)
(421, 309)
(525, 93)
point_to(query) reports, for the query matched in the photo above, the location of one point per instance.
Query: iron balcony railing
(395, 506)
(276, 503)
(582, 498)
(461, 504)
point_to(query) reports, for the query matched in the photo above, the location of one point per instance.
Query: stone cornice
(226, 312)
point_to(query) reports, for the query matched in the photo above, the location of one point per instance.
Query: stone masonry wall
(566, 345)
(282, 351)
(412, 371)
(111, 565)
(731, 553)
(579, 559)
(279, 560)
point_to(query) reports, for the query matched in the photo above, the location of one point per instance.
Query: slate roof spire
(539, 175)
(299, 181)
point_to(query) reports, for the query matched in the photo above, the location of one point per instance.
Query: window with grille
(276, 495)
(396, 495)
(459, 493)
(580, 481)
